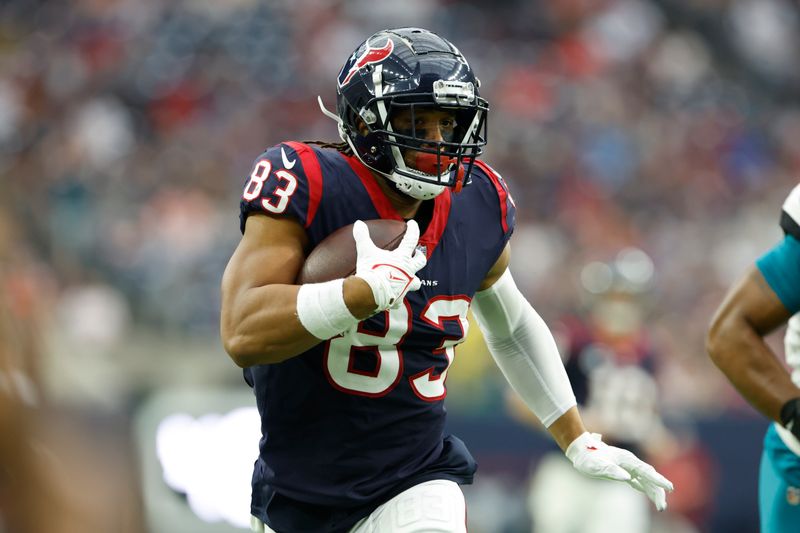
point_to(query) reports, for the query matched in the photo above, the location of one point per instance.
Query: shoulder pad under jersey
(790, 215)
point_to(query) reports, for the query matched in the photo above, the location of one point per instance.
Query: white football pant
(435, 506)
(562, 500)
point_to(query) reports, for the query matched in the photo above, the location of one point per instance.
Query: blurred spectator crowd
(127, 129)
(663, 128)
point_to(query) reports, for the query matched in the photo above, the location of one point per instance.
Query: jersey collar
(441, 205)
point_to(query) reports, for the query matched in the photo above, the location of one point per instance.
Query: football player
(349, 375)
(766, 297)
(608, 355)
(56, 475)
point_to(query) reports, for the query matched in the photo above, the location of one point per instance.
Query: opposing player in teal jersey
(767, 297)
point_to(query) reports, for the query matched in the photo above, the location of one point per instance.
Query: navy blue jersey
(359, 418)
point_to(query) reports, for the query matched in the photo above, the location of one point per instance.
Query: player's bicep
(272, 250)
(780, 268)
(751, 302)
(500, 266)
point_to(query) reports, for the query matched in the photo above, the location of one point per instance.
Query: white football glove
(389, 273)
(593, 457)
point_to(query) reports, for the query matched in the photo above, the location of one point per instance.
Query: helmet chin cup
(436, 165)
(433, 165)
(417, 189)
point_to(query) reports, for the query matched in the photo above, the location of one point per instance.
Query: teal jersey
(779, 478)
(780, 266)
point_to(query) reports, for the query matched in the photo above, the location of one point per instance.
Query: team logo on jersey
(371, 56)
(793, 496)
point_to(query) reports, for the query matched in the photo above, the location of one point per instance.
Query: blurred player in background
(59, 471)
(349, 374)
(609, 359)
(23, 487)
(767, 297)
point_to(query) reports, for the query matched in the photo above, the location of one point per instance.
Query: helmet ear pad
(373, 151)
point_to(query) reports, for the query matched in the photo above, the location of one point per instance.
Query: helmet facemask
(424, 165)
(434, 164)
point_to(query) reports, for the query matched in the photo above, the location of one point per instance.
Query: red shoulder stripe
(501, 192)
(382, 204)
(314, 175)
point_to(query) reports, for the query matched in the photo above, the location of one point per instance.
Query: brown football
(335, 256)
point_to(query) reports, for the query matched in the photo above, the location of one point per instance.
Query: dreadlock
(343, 147)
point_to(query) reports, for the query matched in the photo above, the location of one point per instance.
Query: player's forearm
(524, 349)
(567, 428)
(750, 365)
(260, 326)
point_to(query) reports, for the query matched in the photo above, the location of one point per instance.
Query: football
(335, 256)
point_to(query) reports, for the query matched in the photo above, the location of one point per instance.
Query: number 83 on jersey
(341, 352)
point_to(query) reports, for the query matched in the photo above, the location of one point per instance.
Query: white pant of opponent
(436, 506)
(562, 500)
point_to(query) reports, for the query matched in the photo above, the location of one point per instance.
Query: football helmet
(409, 69)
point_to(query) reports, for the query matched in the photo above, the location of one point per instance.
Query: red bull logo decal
(370, 56)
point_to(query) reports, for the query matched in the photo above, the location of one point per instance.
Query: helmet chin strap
(336, 118)
(329, 114)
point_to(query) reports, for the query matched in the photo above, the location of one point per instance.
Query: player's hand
(390, 274)
(593, 457)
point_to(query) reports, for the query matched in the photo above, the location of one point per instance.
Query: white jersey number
(341, 352)
(283, 193)
(425, 384)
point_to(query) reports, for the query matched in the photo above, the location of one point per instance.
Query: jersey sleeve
(790, 214)
(780, 267)
(286, 180)
(508, 210)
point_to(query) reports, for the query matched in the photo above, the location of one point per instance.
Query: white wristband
(322, 311)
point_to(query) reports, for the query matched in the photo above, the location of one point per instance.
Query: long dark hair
(343, 147)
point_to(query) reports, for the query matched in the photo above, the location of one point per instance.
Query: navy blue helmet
(411, 69)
